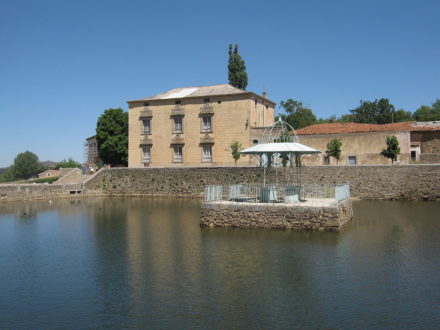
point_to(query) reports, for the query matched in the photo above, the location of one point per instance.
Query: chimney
(265, 93)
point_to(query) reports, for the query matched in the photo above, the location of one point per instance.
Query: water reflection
(132, 262)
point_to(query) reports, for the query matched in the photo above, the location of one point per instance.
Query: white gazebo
(280, 142)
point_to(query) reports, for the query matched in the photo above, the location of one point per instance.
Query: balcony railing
(146, 140)
(178, 139)
(206, 139)
(206, 109)
(178, 110)
(145, 113)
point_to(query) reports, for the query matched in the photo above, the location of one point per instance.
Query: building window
(352, 160)
(177, 155)
(207, 154)
(146, 154)
(206, 124)
(146, 126)
(325, 160)
(178, 102)
(146, 104)
(177, 125)
(254, 141)
(206, 100)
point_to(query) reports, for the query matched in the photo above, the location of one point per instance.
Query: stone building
(195, 126)
(49, 174)
(91, 155)
(419, 142)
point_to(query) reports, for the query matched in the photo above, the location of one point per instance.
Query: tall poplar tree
(237, 69)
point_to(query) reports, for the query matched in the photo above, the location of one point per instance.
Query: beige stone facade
(195, 126)
(357, 148)
(363, 143)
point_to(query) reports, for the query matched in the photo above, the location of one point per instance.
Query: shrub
(45, 180)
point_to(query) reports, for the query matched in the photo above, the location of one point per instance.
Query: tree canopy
(334, 149)
(368, 112)
(69, 163)
(392, 149)
(7, 175)
(26, 165)
(427, 113)
(236, 69)
(236, 147)
(112, 137)
(373, 112)
(297, 115)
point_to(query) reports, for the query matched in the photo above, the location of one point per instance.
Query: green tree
(112, 137)
(373, 112)
(237, 69)
(427, 113)
(347, 118)
(334, 149)
(26, 165)
(7, 175)
(297, 115)
(392, 149)
(235, 148)
(70, 163)
(402, 115)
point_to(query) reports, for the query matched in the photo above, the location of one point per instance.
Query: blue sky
(62, 63)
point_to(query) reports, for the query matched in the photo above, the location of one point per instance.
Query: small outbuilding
(419, 142)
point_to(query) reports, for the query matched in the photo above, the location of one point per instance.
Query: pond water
(131, 263)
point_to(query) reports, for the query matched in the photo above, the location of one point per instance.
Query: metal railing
(307, 194)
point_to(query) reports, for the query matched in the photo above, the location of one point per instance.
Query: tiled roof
(337, 128)
(197, 91)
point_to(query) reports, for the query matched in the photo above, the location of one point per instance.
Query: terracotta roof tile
(337, 128)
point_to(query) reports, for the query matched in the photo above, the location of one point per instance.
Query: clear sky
(62, 63)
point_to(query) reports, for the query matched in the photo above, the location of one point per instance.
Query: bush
(69, 163)
(45, 180)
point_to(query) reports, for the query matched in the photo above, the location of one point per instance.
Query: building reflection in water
(132, 262)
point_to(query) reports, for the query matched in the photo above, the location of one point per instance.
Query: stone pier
(330, 217)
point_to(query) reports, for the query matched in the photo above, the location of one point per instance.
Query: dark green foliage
(368, 112)
(402, 115)
(70, 163)
(7, 175)
(297, 115)
(392, 149)
(237, 69)
(236, 147)
(26, 165)
(112, 137)
(426, 113)
(373, 112)
(334, 149)
(45, 180)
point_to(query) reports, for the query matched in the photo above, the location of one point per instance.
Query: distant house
(362, 143)
(49, 174)
(195, 126)
(91, 154)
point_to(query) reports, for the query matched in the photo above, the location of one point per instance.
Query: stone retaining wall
(37, 191)
(430, 158)
(276, 216)
(402, 182)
